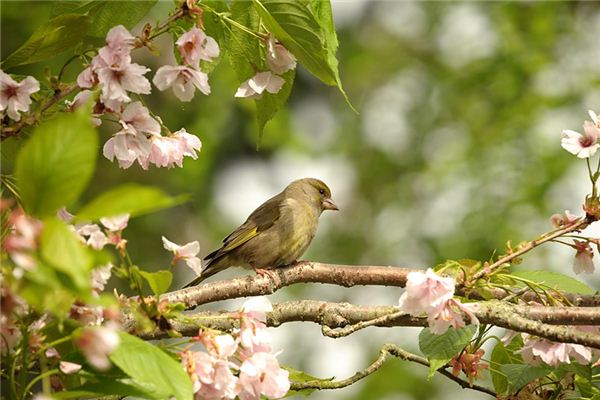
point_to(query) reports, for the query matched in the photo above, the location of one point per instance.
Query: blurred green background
(456, 149)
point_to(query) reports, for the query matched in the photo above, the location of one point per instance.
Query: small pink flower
(24, 232)
(450, 315)
(583, 262)
(116, 223)
(261, 375)
(262, 81)
(69, 368)
(96, 344)
(583, 146)
(195, 45)
(15, 96)
(188, 143)
(100, 276)
(10, 334)
(118, 79)
(87, 78)
(595, 118)
(426, 292)
(211, 377)
(536, 350)
(136, 117)
(564, 219)
(96, 239)
(119, 39)
(279, 59)
(165, 152)
(256, 308)
(183, 79)
(127, 146)
(220, 346)
(187, 252)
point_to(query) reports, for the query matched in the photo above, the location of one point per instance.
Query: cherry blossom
(262, 81)
(188, 143)
(535, 350)
(87, 315)
(10, 334)
(426, 292)
(119, 39)
(595, 118)
(183, 79)
(582, 145)
(93, 236)
(583, 262)
(195, 45)
(69, 368)
(211, 376)
(220, 346)
(116, 223)
(260, 374)
(22, 239)
(100, 276)
(96, 344)
(187, 252)
(127, 146)
(15, 96)
(136, 118)
(168, 151)
(564, 219)
(279, 59)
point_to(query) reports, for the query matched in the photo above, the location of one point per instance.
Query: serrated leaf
(58, 35)
(519, 375)
(554, 280)
(130, 198)
(151, 367)
(107, 14)
(158, 281)
(439, 349)
(57, 162)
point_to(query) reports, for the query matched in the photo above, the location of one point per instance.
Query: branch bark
(342, 319)
(334, 274)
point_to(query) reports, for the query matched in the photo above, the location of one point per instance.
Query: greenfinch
(276, 234)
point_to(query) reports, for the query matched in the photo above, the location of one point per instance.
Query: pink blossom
(96, 239)
(184, 80)
(69, 368)
(595, 118)
(451, 315)
(583, 262)
(118, 79)
(261, 374)
(279, 59)
(22, 239)
(100, 276)
(116, 223)
(211, 377)
(583, 146)
(86, 315)
(127, 146)
(256, 308)
(87, 78)
(96, 344)
(536, 350)
(79, 100)
(195, 45)
(564, 219)
(253, 333)
(188, 143)
(187, 252)
(10, 334)
(65, 215)
(220, 346)
(255, 86)
(426, 292)
(137, 118)
(168, 151)
(15, 96)
(119, 39)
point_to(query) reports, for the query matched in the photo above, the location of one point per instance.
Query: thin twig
(386, 350)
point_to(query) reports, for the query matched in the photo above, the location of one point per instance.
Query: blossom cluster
(279, 60)
(241, 364)
(536, 350)
(139, 139)
(430, 294)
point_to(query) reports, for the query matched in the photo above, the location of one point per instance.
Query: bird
(276, 234)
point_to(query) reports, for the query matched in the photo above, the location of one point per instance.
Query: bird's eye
(322, 191)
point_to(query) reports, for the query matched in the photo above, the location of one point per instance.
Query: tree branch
(334, 274)
(386, 350)
(342, 319)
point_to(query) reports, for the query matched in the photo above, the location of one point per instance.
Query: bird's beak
(328, 204)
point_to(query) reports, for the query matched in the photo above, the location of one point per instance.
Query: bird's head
(316, 192)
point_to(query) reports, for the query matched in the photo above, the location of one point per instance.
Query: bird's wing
(260, 220)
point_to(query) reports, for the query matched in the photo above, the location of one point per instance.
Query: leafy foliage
(439, 349)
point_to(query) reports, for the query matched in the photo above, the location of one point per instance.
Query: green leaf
(70, 6)
(501, 355)
(554, 280)
(439, 349)
(130, 198)
(58, 35)
(158, 281)
(150, 367)
(107, 14)
(519, 375)
(301, 376)
(104, 387)
(61, 249)
(269, 104)
(57, 162)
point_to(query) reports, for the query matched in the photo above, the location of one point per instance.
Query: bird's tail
(211, 268)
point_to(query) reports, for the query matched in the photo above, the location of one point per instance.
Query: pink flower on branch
(187, 252)
(583, 262)
(168, 151)
(535, 350)
(582, 145)
(183, 79)
(127, 146)
(564, 219)
(195, 45)
(96, 344)
(15, 96)
(211, 376)
(279, 59)
(254, 87)
(261, 375)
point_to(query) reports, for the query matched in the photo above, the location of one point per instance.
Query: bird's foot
(266, 272)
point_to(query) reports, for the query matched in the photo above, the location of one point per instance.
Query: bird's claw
(266, 272)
